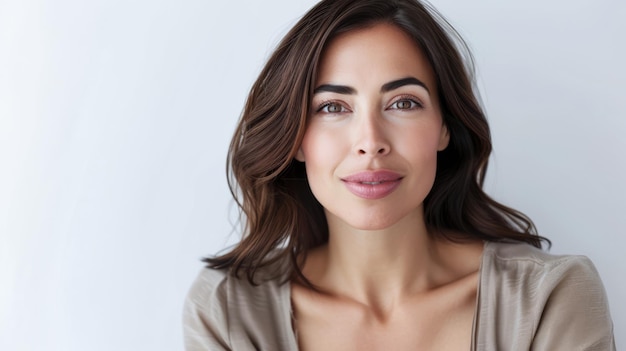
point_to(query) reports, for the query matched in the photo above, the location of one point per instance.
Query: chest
(434, 323)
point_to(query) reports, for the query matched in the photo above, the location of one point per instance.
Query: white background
(115, 118)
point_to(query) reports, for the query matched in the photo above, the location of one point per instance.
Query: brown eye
(405, 104)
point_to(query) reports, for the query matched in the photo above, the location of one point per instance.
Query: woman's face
(375, 127)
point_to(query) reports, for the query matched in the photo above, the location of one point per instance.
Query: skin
(384, 283)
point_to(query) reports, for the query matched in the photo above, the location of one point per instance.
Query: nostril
(373, 151)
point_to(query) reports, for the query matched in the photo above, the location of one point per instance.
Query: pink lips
(372, 184)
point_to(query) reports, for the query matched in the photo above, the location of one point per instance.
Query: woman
(358, 164)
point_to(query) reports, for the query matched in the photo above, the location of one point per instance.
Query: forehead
(380, 52)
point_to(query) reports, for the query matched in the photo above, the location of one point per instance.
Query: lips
(372, 185)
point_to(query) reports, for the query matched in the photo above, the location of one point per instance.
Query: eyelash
(418, 104)
(328, 103)
(410, 98)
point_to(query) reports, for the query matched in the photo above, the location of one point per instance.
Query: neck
(378, 258)
(380, 268)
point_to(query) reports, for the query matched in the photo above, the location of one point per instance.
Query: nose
(371, 139)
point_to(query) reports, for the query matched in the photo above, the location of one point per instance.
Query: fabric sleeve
(576, 313)
(205, 318)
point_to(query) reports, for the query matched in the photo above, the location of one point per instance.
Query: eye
(331, 107)
(405, 103)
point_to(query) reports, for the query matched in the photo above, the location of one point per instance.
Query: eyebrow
(402, 82)
(347, 90)
(332, 88)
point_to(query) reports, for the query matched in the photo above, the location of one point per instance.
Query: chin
(372, 223)
(375, 218)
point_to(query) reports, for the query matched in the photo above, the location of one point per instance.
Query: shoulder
(209, 289)
(520, 258)
(537, 273)
(215, 288)
(224, 312)
(530, 295)
(205, 314)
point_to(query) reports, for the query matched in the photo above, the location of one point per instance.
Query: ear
(300, 155)
(444, 139)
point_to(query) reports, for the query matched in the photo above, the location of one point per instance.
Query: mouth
(372, 185)
(373, 177)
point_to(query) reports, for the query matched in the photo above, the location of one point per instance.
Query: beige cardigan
(527, 300)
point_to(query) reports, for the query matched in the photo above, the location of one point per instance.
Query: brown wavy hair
(282, 217)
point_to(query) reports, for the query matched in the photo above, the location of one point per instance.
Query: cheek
(319, 147)
(320, 151)
(418, 143)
